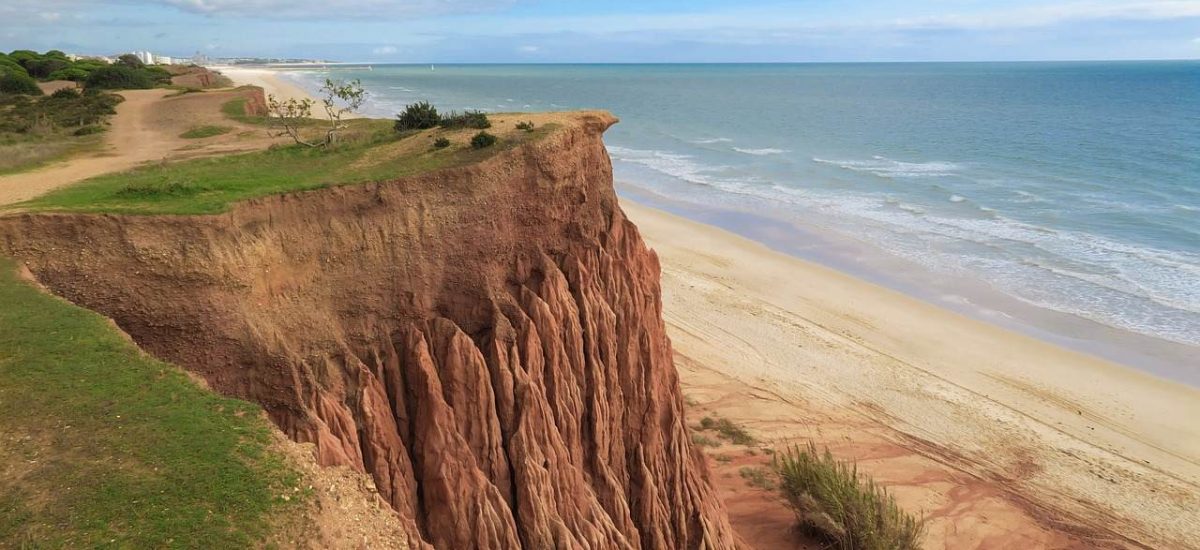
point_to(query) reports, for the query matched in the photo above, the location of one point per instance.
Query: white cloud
(335, 9)
(384, 50)
(50, 16)
(528, 49)
(1041, 16)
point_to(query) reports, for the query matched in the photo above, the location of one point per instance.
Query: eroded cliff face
(486, 342)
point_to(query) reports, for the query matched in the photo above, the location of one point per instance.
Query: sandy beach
(1003, 440)
(270, 81)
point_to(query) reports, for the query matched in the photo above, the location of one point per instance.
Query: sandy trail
(145, 128)
(1006, 441)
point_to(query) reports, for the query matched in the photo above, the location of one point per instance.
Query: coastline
(1021, 439)
(1055, 434)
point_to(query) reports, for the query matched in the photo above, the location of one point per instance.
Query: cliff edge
(485, 341)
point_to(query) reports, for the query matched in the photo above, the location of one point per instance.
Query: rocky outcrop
(486, 341)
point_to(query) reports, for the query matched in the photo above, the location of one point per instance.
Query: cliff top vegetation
(369, 150)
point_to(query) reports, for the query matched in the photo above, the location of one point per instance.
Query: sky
(619, 31)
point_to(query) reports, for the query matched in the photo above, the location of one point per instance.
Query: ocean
(1060, 199)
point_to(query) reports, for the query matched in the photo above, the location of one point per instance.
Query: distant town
(150, 58)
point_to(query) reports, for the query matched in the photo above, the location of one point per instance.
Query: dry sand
(271, 83)
(1004, 440)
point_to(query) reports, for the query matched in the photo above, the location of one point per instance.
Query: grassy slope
(101, 445)
(211, 185)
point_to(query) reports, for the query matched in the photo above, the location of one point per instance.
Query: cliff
(485, 341)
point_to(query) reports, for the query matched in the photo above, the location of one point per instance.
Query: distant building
(162, 59)
(145, 57)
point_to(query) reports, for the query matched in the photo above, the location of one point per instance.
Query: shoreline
(976, 299)
(1073, 437)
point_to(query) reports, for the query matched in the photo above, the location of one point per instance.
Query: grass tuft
(833, 502)
(200, 132)
(758, 476)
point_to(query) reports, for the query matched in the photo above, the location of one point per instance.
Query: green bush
(88, 130)
(12, 82)
(119, 77)
(441, 143)
(74, 74)
(483, 139)
(43, 68)
(737, 434)
(67, 93)
(467, 119)
(833, 502)
(417, 116)
(7, 64)
(527, 126)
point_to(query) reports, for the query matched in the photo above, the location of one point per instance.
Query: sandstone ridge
(485, 341)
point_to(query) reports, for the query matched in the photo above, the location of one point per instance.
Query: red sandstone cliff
(485, 341)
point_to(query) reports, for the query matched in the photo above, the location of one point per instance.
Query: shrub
(483, 139)
(12, 82)
(65, 93)
(737, 434)
(833, 502)
(707, 423)
(527, 126)
(701, 440)
(467, 119)
(74, 74)
(119, 77)
(417, 116)
(441, 143)
(43, 68)
(88, 130)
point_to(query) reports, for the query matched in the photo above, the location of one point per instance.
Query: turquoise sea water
(1061, 196)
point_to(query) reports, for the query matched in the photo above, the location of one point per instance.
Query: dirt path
(146, 128)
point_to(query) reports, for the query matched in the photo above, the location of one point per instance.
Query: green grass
(833, 502)
(200, 132)
(102, 446)
(211, 185)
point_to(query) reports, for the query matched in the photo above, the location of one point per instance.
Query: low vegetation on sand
(727, 429)
(103, 446)
(201, 132)
(834, 503)
(35, 130)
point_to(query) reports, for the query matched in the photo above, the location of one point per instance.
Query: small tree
(287, 117)
(130, 60)
(341, 99)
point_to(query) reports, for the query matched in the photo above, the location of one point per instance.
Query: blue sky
(443, 31)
